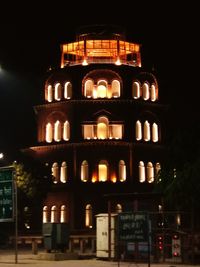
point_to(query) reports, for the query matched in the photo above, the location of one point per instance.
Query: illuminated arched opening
(49, 133)
(150, 172)
(45, 214)
(63, 214)
(58, 91)
(115, 85)
(88, 216)
(142, 176)
(136, 90)
(49, 93)
(145, 91)
(154, 132)
(102, 89)
(54, 214)
(178, 219)
(102, 128)
(68, 90)
(88, 88)
(157, 168)
(103, 171)
(55, 172)
(118, 208)
(138, 130)
(84, 171)
(122, 171)
(66, 131)
(63, 172)
(153, 93)
(147, 134)
(57, 131)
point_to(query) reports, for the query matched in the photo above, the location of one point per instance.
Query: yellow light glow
(84, 63)
(103, 172)
(118, 62)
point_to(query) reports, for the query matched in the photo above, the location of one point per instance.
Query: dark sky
(31, 35)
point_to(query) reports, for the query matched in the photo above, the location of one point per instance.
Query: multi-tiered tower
(101, 129)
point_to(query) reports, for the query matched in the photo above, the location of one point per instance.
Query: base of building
(58, 256)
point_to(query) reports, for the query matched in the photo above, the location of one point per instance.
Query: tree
(179, 179)
(33, 182)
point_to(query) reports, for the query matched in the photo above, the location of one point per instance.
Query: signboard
(133, 226)
(6, 194)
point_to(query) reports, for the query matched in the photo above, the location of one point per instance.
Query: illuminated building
(101, 128)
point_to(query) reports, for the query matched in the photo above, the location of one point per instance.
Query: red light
(175, 236)
(160, 242)
(176, 254)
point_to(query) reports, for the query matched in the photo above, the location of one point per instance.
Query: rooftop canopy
(100, 47)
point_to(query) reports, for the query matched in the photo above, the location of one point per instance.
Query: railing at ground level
(81, 244)
(27, 240)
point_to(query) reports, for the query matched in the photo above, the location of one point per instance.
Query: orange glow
(101, 51)
(94, 178)
(113, 178)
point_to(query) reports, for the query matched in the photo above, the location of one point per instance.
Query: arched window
(66, 131)
(136, 90)
(102, 128)
(58, 91)
(115, 85)
(153, 92)
(118, 208)
(138, 130)
(55, 172)
(57, 131)
(88, 88)
(54, 214)
(84, 171)
(145, 91)
(49, 133)
(103, 171)
(68, 90)
(157, 168)
(122, 171)
(63, 214)
(63, 172)
(49, 93)
(45, 214)
(147, 135)
(154, 132)
(102, 89)
(178, 219)
(150, 172)
(142, 176)
(88, 216)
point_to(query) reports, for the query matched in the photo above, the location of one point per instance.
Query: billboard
(133, 226)
(6, 194)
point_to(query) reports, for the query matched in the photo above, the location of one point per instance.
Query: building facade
(101, 129)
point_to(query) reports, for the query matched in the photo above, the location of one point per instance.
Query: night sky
(30, 41)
